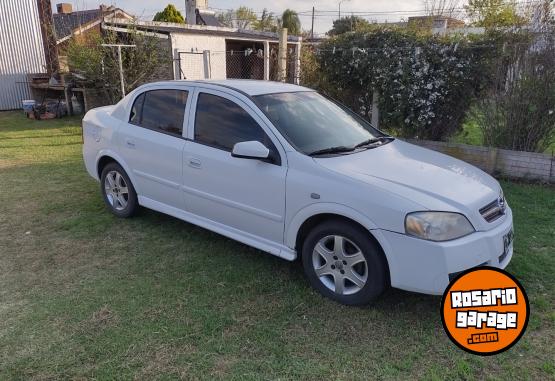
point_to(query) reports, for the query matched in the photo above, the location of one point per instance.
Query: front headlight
(437, 226)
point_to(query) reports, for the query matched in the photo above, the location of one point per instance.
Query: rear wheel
(343, 263)
(117, 190)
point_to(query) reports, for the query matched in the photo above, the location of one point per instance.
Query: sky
(327, 10)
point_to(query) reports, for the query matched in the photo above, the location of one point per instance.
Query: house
(68, 24)
(203, 51)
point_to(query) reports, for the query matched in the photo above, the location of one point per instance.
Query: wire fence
(237, 64)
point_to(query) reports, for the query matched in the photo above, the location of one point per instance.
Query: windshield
(313, 123)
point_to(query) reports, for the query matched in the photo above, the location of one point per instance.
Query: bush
(518, 112)
(426, 83)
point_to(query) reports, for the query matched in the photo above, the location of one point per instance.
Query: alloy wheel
(116, 189)
(340, 265)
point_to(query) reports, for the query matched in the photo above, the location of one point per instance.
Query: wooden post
(312, 27)
(493, 152)
(266, 60)
(297, 72)
(376, 108)
(282, 56)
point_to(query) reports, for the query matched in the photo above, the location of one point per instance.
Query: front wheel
(117, 190)
(343, 263)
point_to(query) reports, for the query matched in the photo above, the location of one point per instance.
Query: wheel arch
(104, 157)
(103, 162)
(305, 220)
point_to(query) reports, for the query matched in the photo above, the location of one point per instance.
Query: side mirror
(250, 150)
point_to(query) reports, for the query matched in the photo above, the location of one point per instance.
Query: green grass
(86, 295)
(470, 133)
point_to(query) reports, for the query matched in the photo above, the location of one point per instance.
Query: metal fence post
(120, 64)
(206, 61)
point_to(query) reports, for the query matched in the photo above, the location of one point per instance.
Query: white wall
(192, 65)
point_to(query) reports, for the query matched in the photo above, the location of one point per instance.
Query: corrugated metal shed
(21, 50)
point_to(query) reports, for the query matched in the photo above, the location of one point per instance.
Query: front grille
(493, 210)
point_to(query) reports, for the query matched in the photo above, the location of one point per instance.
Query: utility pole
(340, 1)
(312, 28)
(120, 63)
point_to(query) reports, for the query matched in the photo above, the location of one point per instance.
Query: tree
(290, 20)
(98, 66)
(241, 18)
(494, 13)
(267, 22)
(226, 18)
(169, 14)
(348, 24)
(244, 18)
(448, 8)
(518, 113)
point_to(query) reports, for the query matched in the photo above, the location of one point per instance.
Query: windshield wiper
(338, 149)
(372, 141)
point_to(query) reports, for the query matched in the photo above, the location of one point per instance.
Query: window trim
(275, 157)
(184, 127)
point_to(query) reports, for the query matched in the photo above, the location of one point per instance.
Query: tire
(118, 191)
(343, 263)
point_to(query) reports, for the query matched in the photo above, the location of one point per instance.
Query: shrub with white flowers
(426, 83)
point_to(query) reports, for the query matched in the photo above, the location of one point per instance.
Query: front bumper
(425, 266)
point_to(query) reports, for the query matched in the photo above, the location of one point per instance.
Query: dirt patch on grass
(103, 317)
(223, 366)
(162, 360)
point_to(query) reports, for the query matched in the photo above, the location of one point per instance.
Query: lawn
(84, 295)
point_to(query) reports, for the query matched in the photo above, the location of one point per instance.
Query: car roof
(252, 87)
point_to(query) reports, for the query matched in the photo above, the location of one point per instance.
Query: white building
(204, 51)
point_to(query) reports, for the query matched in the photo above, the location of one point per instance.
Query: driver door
(244, 194)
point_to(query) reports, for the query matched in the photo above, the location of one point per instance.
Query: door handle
(195, 163)
(130, 143)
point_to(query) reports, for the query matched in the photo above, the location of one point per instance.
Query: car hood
(433, 180)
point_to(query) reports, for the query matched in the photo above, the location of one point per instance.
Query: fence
(237, 64)
(507, 163)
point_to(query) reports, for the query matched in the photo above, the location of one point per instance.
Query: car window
(135, 116)
(311, 122)
(221, 123)
(160, 110)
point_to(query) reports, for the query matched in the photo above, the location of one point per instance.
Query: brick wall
(513, 164)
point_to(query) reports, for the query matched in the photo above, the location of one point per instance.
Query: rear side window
(221, 123)
(160, 110)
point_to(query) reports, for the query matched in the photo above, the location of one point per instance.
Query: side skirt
(238, 235)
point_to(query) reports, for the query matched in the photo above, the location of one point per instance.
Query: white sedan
(288, 171)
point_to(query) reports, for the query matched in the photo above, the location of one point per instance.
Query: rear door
(245, 194)
(152, 143)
